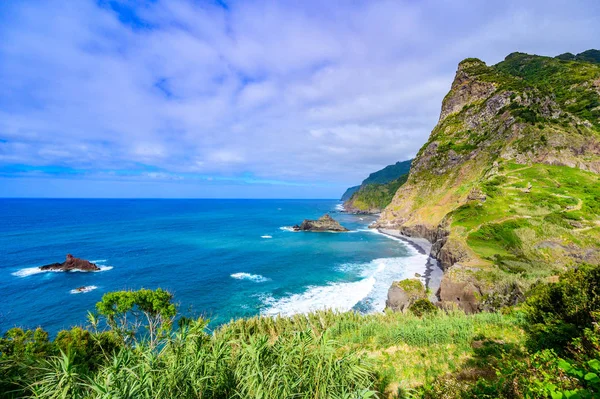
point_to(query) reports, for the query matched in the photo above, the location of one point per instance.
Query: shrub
(558, 313)
(422, 307)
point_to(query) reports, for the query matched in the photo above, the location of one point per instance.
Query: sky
(242, 99)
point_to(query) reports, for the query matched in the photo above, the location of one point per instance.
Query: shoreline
(433, 272)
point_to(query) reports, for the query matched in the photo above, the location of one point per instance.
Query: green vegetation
(547, 347)
(534, 218)
(588, 55)
(382, 177)
(374, 197)
(389, 173)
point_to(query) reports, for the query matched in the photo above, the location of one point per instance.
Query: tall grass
(319, 355)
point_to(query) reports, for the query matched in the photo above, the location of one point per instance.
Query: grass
(320, 355)
(527, 205)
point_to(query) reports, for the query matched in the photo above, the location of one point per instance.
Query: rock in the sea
(72, 263)
(324, 223)
(404, 293)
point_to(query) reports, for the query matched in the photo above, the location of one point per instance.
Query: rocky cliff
(507, 185)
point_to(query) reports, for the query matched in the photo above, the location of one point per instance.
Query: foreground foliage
(321, 355)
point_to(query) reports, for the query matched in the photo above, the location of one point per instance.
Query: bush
(422, 307)
(558, 313)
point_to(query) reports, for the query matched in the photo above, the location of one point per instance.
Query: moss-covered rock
(402, 294)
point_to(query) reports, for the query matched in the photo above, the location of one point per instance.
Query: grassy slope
(552, 114)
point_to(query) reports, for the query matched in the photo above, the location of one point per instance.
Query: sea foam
(257, 278)
(83, 290)
(266, 236)
(30, 271)
(367, 294)
(287, 228)
(336, 296)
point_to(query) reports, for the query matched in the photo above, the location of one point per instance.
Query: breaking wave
(83, 290)
(257, 278)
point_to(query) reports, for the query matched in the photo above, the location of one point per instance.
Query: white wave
(98, 261)
(266, 236)
(30, 271)
(340, 207)
(377, 276)
(337, 296)
(83, 290)
(257, 278)
(287, 228)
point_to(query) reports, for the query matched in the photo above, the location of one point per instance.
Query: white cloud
(299, 91)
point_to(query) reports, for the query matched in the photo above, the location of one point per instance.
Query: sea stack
(72, 263)
(323, 224)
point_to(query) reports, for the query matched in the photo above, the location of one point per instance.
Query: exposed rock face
(466, 294)
(72, 263)
(404, 293)
(465, 89)
(324, 223)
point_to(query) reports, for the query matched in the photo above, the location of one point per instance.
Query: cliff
(377, 190)
(507, 184)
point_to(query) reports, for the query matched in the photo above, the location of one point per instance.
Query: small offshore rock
(324, 223)
(72, 263)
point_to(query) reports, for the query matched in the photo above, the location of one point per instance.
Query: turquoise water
(221, 259)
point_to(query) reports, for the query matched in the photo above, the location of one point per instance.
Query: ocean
(221, 259)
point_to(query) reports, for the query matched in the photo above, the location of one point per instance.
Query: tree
(127, 311)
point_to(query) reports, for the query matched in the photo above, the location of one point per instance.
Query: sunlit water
(221, 259)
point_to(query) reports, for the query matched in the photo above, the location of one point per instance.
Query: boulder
(462, 292)
(324, 223)
(72, 263)
(404, 293)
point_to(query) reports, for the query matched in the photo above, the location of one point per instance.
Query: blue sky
(249, 99)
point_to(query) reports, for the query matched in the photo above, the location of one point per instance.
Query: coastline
(433, 272)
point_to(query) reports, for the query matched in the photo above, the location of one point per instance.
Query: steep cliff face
(508, 181)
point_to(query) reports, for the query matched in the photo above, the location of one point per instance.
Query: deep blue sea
(221, 259)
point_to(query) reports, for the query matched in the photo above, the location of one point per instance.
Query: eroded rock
(72, 263)
(324, 223)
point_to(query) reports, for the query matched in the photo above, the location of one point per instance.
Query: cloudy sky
(284, 99)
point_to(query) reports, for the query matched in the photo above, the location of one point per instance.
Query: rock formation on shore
(324, 223)
(402, 294)
(72, 263)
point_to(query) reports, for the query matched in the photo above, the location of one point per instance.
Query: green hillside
(388, 174)
(508, 181)
(377, 190)
(373, 198)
